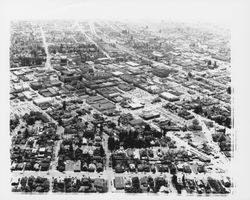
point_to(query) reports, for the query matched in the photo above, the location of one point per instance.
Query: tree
(222, 138)
(119, 121)
(148, 139)
(174, 179)
(139, 143)
(205, 147)
(112, 125)
(158, 134)
(78, 152)
(23, 181)
(30, 121)
(190, 75)
(26, 134)
(102, 152)
(229, 90)
(111, 143)
(46, 185)
(71, 150)
(228, 122)
(195, 122)
(184, 181)
(128, 143)
(167, 138)
(147, 128)
(185, 127)
(198, 109)
(89, 134)
(215, 137)
(86, 124)
(60, 48)
(64, 105)
(188, 136)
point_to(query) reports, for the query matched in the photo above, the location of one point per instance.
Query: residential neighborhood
(106, 106)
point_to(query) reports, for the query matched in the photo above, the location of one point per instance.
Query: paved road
(47, 64)
(91, 40)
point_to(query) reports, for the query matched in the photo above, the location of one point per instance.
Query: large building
(100, 103)
(42, 100)
(147, 115)
(168, 96)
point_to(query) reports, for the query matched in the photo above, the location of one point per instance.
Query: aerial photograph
(120, 106)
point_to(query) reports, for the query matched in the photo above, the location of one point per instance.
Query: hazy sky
(219, 11)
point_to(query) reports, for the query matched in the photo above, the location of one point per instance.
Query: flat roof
(136, 105)
(168, 95)
(94, 98)
(158, 54)
(133, 64)
(117, 73)
(42, 100)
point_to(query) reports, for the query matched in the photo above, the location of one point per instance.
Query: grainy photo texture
(120, 106)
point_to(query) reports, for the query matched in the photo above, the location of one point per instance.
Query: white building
(168, 96)
(42, 100)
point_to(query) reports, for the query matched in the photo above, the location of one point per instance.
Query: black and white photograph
(123, 97)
